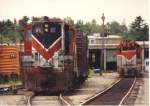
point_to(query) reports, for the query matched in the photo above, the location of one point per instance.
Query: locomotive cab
(50, 43)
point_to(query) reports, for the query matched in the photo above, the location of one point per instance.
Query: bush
(91, 72)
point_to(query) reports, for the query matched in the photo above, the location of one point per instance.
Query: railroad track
(56, 100)
(133, 94)
(121, 93)
(15, 99)
(114, 95)
(28, 98)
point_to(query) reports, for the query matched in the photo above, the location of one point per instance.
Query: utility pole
(102, 45)
(143, 55)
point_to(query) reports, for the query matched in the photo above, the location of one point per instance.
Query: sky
(86, 10)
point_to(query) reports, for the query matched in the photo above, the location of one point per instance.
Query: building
(110, 44)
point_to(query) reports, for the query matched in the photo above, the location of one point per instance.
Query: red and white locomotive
(129, 58)
(55, 56)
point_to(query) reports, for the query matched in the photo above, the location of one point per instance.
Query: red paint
(46, 54)
(72, 48)
(128, 54)
(27, 44)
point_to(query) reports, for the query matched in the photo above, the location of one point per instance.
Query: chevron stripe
(46, 53)
(129, 54)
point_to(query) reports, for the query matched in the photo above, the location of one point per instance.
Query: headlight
(46, 25)
(46, 29)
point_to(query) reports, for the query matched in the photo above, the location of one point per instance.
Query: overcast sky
(119, 10)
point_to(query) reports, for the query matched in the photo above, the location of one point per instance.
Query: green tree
(95, 27)
(69, 21)
(114, 28)
(139, 30)
(2, 23)
(22, 23)
(7, 31)
(89, 27)
(79, 25)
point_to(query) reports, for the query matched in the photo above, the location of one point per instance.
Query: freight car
(129, 59)
(9, 63)
(55, 56)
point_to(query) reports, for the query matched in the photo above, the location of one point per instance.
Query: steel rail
(29, 99)
(60, 99)
(100, 93)
(124, 98)
(63, 101)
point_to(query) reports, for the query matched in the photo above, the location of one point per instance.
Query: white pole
(63, 37)
(63, 42)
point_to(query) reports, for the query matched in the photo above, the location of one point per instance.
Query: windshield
(46, 33)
